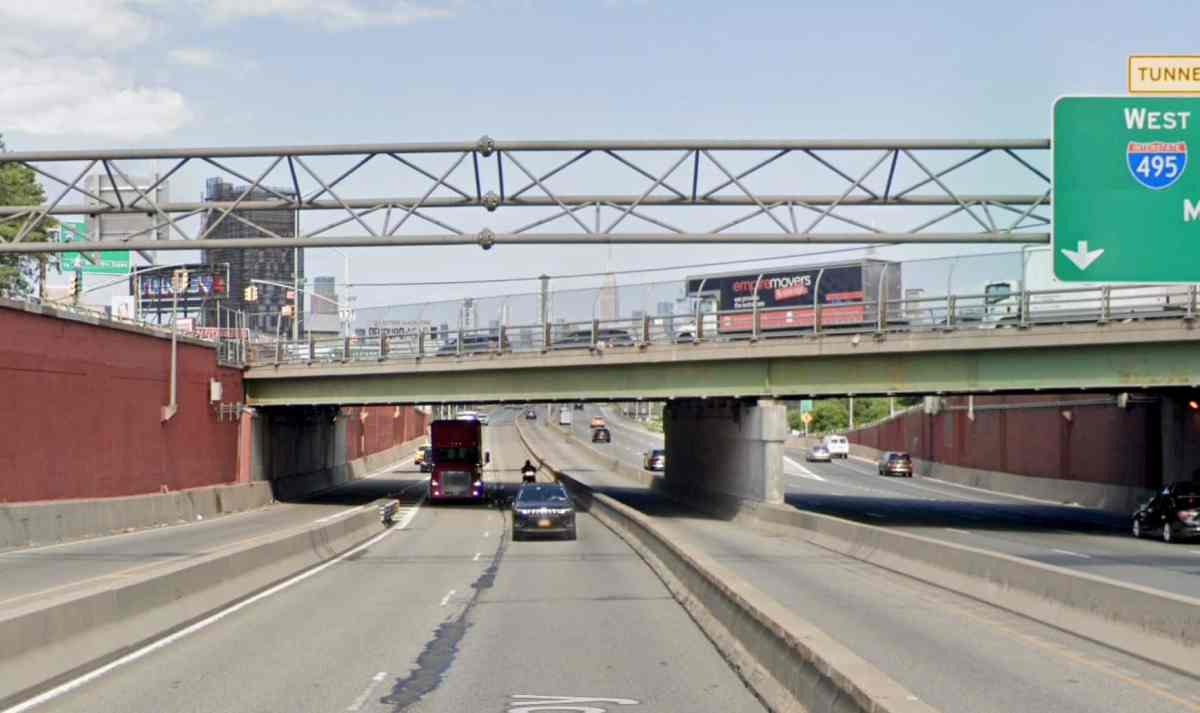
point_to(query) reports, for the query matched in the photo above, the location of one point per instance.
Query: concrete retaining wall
(47, 641)
(790, 663)
(726, 446)
(52, 521)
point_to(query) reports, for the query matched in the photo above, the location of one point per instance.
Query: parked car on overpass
(530, 414)
(1173, 513)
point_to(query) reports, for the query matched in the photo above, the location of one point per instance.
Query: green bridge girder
(1117, 357)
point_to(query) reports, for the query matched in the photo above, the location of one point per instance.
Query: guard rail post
(646, 329)
(501, 337)
(420, 342)
(595, 331)
(1024, 309)
(345, 348)
(1105, 304)
(1190, 314)
(312, 348)
(458, 342)
(384, 347)
(277, 349)
(698, 332)
(881, 322)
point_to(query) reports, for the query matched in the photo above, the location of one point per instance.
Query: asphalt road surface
(955, 653)
(1077, 538)
(37, 572)
(443, 614)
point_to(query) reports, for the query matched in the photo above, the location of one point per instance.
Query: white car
(838, 446)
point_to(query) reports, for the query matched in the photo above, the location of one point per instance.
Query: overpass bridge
(1114, 349)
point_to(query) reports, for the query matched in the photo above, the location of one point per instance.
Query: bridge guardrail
(1008, 310)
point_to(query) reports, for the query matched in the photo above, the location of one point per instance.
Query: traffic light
(76, 285)
(250, 294)
(286, 310)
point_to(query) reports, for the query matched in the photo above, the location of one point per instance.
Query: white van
(564, 416)
(838, 446)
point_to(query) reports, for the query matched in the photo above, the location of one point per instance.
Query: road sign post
(1126, 199)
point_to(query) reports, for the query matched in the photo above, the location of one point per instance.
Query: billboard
(104, 262)
(152, 288)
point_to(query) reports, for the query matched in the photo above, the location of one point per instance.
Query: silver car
(818, 453)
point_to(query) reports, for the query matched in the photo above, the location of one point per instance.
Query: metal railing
(1016, 311)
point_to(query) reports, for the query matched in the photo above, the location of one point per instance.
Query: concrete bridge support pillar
(726, 447)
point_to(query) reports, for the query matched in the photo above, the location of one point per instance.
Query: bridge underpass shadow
(899, 512)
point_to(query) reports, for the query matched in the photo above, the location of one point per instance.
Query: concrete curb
(53, 521)
(48, 641)
(789, 663)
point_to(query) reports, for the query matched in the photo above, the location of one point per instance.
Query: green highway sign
(1126, 197)
(105, 262)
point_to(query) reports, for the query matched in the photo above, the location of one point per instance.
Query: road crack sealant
(439, 653)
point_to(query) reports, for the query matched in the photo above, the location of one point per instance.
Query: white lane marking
(1069, 552)
(476, 557)
(362, 698)
(526, 703)
(804, 472)
(954, 529)
(447, 597)
(487, 533)
(204, 623)
(339, 515)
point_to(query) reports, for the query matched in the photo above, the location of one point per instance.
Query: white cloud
(61, 95)
(39, 27)
(193, 57)
(331, 14)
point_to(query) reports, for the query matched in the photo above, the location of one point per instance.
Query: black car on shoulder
(543, 509)
(601, 435)
(530, 415)
(1173, 513)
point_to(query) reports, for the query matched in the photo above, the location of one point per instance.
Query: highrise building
(608, 304)
(279, 265)
(324, 286)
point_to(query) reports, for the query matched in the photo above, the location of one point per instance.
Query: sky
(155, 73)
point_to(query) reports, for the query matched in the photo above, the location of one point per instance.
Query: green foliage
(834, 414)
(19, 186)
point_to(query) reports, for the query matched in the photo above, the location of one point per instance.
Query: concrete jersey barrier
(790, 663)
(54, 521)
(53, 638)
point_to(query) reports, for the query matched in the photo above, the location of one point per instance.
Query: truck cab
(458, 459)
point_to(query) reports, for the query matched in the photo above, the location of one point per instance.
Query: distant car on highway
(895, 463)
(483, 418)
(543, 509)
(654, 459)
(530, 415)
(579, 406)
(599, 422)
(838, 446)
(601, 435)
(818, 453)
(424, 459)
(1173, 513)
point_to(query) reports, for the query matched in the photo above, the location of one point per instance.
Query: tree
(19, 186)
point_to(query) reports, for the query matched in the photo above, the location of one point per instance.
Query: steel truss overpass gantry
(490, 192)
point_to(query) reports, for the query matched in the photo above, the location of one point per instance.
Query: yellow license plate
(543, 523)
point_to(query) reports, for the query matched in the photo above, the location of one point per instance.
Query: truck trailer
(846, 294)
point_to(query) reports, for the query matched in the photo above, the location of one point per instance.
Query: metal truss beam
(487, 240)
(740, 185)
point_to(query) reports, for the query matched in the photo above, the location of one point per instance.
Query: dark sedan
(543, 509)
(601, 435)
(530, 415)
(1173, 514)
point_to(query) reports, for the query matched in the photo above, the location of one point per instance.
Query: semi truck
(788, 298)
(459, 457)
(1061, 302)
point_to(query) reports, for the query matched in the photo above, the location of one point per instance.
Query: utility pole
(545, 298)
(296, 277)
